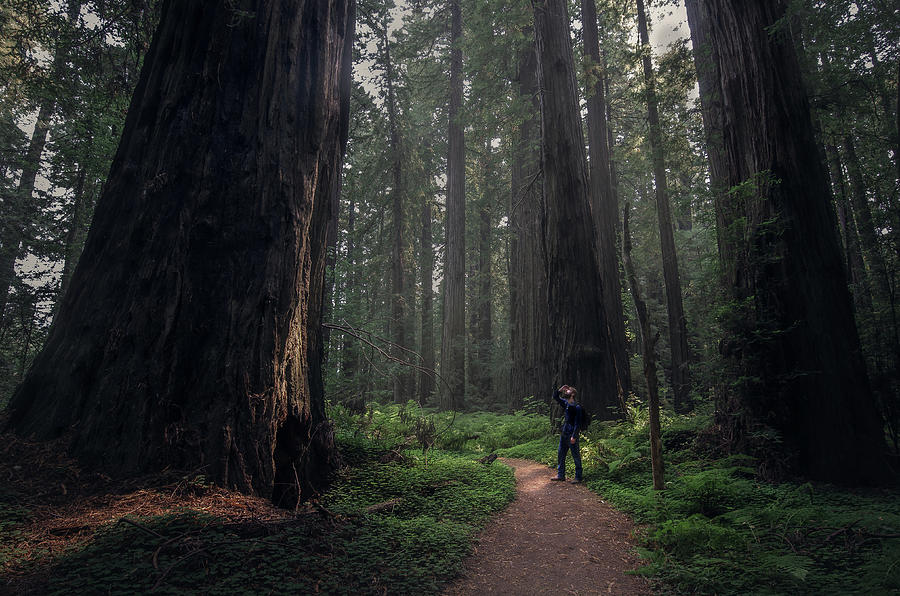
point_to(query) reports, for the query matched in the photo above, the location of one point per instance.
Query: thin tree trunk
(453, 340)
(190, 337)
(483, 328)
(75, 234)
(402, 378)
(349, 350)
(579, 329)
(529, 330)
(860, 202)
(426, 265)
(648, 344)
(681, 378)
(604, 201)
(16, 231)
(856, 270)
(791, 339)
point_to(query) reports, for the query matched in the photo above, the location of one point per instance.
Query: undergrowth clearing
(717, 529)
(401, 515)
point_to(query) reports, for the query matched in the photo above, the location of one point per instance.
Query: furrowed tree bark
(792, 339)
(330, 267)
(529, 330)
(681, 378)
(402, 378)
(648, 345)
(603, 199)
(453, 340)
(706, 63)
(580, 335)
(190, 337)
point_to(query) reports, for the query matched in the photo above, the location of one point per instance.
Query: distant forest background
(414, 211)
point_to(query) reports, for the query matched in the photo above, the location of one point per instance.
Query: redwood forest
(449, 297)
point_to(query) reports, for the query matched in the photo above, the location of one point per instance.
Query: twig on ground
(141, 527)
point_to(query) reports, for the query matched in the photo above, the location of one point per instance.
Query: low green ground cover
(401, 518)
(412, 542)
(716, 529)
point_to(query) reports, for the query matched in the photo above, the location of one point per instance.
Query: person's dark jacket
(572, 417)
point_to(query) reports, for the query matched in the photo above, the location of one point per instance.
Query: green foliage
(414, 545)
(718, 530)
(452, 431)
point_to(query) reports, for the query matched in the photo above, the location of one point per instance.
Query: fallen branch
(141, 527)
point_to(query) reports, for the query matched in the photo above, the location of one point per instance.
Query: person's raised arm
(557, 397)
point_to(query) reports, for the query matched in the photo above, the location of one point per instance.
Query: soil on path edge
(555, 538)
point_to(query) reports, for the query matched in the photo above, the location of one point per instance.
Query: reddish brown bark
(190, 337)
(792, 338)
(583, 352)
(603, 199)
(453, 340)
(529, 331)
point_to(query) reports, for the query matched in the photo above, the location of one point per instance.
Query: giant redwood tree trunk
(190, 335)
(792, 341)
(581, 346)
(603, 199)
(453, 339)
(529, 332)
(681, 378)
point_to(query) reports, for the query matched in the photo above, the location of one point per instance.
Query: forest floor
(555, 538)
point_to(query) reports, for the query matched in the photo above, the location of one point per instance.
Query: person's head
(571, 392)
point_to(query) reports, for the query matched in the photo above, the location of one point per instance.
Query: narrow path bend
(555, 538)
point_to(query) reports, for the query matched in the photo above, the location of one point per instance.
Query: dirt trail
(555, 538)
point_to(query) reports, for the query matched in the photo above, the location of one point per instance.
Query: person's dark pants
(564, 446)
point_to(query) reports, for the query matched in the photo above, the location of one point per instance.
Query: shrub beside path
(555, 538)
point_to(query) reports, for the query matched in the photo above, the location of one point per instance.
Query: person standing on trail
(565, 395)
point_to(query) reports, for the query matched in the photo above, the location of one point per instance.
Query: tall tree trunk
(426, 265)
(681, 378)
(604, 201)
(579, 329)
(190, 336)
(863, 215)
(885, 311)
(856, 270)
(402, 378)
(792, 340)
(453, 340)
(76, 232)
(349, 350)
(482, 330)
(648, 344)
(15, 232)
(529, 332)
